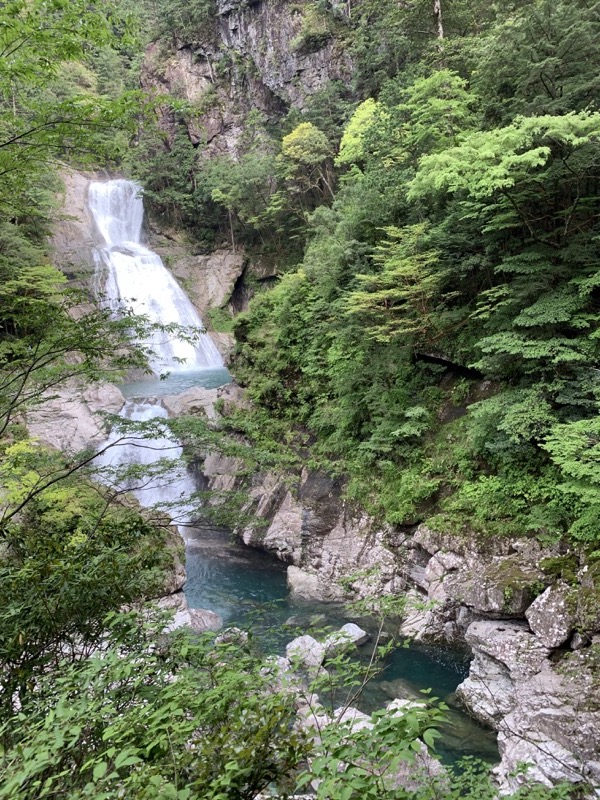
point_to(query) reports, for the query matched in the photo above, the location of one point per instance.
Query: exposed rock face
(199, 620)
(270, 33)
(203, 402)
(72, 417)
(209, 280)
(176, 578)
(326, 541)
(73, 234)
(552, 615)
(547, 714)
(258, 57)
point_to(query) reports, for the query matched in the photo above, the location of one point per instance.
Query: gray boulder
(552, 615)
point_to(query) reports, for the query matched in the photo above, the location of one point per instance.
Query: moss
(219, 319)
(588, 600)
(564, 567)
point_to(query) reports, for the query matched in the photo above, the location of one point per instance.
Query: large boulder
(552, 615)
(199, 620)
(305, 651)
(347, 638)
(196, 401)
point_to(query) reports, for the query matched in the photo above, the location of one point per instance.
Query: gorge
(242, 588)
(299, 356)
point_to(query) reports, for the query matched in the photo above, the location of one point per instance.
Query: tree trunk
(437, 13)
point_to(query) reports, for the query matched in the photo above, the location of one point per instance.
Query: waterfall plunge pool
(248, 588)
(176, 382)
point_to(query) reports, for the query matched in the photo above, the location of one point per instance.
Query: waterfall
(133, 276)
(170, 488)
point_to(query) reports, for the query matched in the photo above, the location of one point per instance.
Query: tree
(403, 298)
(303, 160)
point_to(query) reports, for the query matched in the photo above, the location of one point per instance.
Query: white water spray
(133, 276)
(171, 488)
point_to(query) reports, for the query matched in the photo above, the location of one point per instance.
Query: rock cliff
(267, 56)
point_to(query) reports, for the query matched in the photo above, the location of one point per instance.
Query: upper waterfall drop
(134, 276)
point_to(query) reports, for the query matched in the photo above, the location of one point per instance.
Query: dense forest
(429, 334)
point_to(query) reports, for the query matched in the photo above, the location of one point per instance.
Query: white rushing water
(169, 489)
(130, 275)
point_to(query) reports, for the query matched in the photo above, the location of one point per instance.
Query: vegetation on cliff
(435, 323)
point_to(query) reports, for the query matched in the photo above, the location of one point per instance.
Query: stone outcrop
(546, 712)
(208, 279)
(72, 418)
(199, 620)
(73, 233)
(204, 402)
(552, 615)
(259, 56)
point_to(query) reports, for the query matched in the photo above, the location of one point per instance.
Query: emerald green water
(176, 382)
(248, 588)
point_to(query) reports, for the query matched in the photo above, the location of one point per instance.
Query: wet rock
(209, 280)
(552, 615)
(73, 232)
(176, 576)
(347, 638)
(199, 620)
(401, 689)
(233, 636)
(488, 691)
(194, 401)
(304, 583)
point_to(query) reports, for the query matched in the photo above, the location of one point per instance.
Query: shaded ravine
(244, 586)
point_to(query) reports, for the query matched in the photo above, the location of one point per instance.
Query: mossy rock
(588, 600)
(564, 567)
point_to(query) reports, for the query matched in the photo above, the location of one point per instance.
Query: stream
(244, 586)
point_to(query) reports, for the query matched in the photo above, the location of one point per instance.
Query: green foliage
(403, 297)
(182, 721)
(575, 448)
